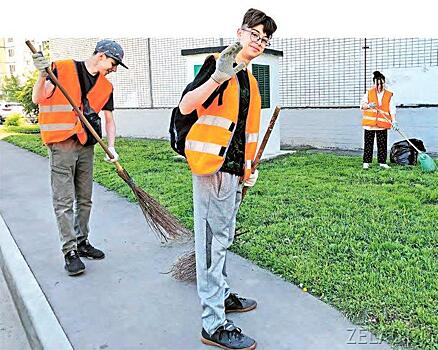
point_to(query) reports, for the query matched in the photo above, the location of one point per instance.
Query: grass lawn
(365, 242)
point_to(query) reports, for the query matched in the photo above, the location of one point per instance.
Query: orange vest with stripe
(57, 119)
(208, 139)
(372, 117)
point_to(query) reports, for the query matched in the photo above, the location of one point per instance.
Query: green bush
(24, 96)
(14, 91)
(14, 119)
(24, 129)
(10, 87)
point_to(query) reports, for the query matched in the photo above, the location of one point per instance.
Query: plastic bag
(404, 154)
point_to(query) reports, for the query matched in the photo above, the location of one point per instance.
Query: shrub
(24, 96)
(14, 119)
(14, 91)
(24, 129)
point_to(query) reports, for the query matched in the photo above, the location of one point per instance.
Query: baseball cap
(111, 49)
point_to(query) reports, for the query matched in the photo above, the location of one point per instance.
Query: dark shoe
(229, 337)
(73, 263)
(237, 304)
(86, 250)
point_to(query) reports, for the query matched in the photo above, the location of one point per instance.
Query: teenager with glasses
(220, 148)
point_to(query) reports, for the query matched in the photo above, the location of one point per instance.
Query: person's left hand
(252, 179)
(114, 153)
(40, 62)
(224, 64)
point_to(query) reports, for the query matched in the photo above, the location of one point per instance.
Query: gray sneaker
(73, 263)
(228, 337)
(234, 303)
(86, 250)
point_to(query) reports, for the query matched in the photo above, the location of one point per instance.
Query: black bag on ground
(404, 154)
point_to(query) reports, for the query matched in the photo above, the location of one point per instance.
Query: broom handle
(265, 140)
(76, 109)
(400, 132)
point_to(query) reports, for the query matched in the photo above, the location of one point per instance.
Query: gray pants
(71, 166)
(216, 200)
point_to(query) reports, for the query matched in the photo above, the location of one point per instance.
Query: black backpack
(180, 124)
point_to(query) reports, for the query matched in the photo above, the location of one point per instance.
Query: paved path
(12, 335)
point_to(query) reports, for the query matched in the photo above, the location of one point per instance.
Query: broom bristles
(163, 223)
(184, 269)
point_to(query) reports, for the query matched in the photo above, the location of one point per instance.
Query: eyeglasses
(255, 37)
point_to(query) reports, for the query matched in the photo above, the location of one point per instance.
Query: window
(12, 69)
(10, 40)
(261, 73)
(11, 52)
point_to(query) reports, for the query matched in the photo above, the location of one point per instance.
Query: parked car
(7, 108)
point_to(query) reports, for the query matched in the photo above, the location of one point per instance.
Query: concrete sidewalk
(12, 335)
(125, 301)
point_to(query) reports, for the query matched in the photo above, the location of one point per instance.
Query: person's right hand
(40, 62)
(114, 153)
(224, 65)
(371, 105)
(250, 182)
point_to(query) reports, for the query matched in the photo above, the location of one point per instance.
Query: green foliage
(13, 90)
(24, 96)
(14, 119)
(11, 87)
(23, 129)
(363, 241)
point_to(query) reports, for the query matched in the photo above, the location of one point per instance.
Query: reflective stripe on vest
(251, 137)
(57, 119)
(57, 127)
(56, 108)
(209, 138)
(216, 121)
(205, 147)
(248, 164)
(373, 117)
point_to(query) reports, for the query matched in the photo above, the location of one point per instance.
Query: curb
(40, 323)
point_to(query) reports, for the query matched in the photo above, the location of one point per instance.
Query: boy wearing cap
(224, 99)
(71, 146)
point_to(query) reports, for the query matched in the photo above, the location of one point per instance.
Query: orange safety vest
(208, 139)
(373, 117)
(57, 119)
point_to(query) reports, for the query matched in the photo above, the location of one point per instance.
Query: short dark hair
(255, 17)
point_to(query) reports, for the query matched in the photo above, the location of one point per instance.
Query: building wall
(165, 74)
(6, 60)
(313, 73)
(16, 58)
(319, 72)
(326, 72)
(321, 128)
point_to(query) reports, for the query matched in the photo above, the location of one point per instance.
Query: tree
(24, 96)
(11, 87)
(13, 90)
